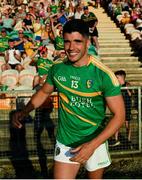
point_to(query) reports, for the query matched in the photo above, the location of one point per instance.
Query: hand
(17, 118)
(82, 152)
(14, 53)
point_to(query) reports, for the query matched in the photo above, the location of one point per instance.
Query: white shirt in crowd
(12, 59)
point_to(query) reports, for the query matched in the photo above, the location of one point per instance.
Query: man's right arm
(36, 101)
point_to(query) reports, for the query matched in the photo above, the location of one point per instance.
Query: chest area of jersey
(80, 80)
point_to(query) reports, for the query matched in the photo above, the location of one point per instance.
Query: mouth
(72, 54)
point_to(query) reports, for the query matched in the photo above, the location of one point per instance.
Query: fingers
(80, 160)
(16, 120)
(75, 150)
(77, 155)
(17, 124)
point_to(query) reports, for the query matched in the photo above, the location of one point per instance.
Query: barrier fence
(36, 139)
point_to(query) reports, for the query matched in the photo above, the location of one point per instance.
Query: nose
(71, 46)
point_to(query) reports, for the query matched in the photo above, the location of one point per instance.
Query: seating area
(128, 17)
(18, 80)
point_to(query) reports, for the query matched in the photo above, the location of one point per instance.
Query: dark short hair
(85, 8)
(11, 40)
(121, 73)
(76, 25)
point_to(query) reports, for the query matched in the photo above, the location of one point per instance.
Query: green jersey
(59, 43)
(43, 66)
(4, 43)
(82, 91)
(54, 8)
(90, 18)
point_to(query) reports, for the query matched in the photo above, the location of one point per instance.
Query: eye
(78, 41)
(66, 41)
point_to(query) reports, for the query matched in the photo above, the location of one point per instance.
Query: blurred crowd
(31, 37)
(128, 16)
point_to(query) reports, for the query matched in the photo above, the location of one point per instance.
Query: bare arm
(6, 57)
(36, 101)
(17, 56)
(116, 106)
(16, 43)
(53, 27)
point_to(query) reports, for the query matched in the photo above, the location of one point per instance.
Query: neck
(83, 62)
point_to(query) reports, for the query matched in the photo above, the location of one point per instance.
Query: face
(44, 54)
(47, 26)
(11, 44)
(3, 33)
(76, 48)
(86, 11)
(21, 34)
(121, 79)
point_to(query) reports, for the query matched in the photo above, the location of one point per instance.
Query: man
(43, 65)
(12, 58)
(127, 96)
(92, 22)
(3, 41)
(85, 86)
(19, 41)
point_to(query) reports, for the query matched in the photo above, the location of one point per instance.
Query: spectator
(53, 7)
(12, 58)
(37, 28)
(125, 20)
(70, 11)
(29, 46)
(3, 41)
(31, 11)
(78, 12)
(117, 9)
(139, 24)
(92, 22)
(20, 15)
(58, 37)
(134, 16)
(47, 34)
(8, 22)
(19, 41)
(125, 5)
(127, 94)
(41, 10)
(43, 65)
(62, 16)
(28, 22)
(48, 13)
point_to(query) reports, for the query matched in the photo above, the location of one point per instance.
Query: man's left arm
(116, 106)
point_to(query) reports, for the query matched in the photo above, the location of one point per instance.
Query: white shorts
(99, 159)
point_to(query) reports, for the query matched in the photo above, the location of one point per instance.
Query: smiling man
(85, 87)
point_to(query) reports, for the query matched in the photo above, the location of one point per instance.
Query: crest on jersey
(89, 83)
(57, 151)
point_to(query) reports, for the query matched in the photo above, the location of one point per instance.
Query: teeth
(72, 54)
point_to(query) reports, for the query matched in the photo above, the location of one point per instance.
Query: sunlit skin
(76, 48)
(121, 79)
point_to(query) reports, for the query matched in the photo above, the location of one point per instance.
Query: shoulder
(60, 63)
(103, 70)
(91, 13)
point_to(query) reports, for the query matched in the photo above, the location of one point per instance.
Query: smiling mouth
(72, 53)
